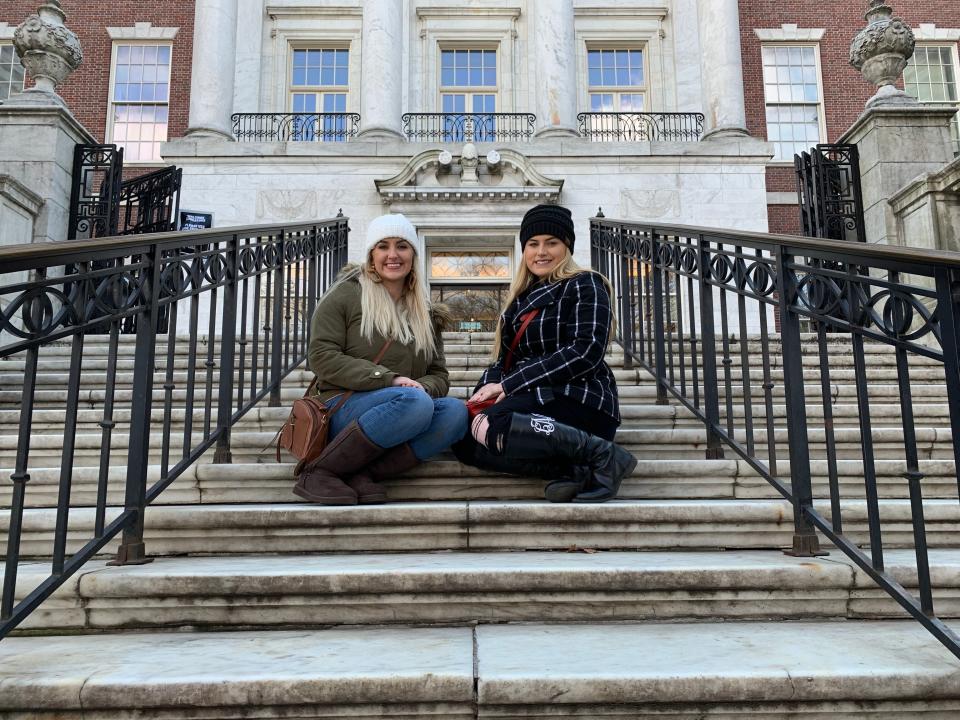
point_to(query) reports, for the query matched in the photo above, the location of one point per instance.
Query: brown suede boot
(396, 460)
(349, 451)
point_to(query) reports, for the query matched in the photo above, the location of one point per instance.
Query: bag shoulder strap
(516, 340)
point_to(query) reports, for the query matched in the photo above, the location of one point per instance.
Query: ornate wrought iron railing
(239, 300)
(295, 127)
(150, 203)
(828, 186)
(469, 127)
(641, 127)
(696, 307)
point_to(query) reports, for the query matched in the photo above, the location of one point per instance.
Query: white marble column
(214, 59)
(381, 75)
(721, 68)
(555, 54)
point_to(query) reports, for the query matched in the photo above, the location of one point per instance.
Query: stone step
(444, 478)
(231, 529)
(464, 587)
(834, 670)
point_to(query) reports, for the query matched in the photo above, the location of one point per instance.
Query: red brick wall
(844, 89)
(87, 90)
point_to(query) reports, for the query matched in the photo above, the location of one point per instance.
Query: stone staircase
(470, 596)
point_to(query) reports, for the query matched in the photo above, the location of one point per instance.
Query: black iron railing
(150, 203)
(641, 127)
(695, 308)
(295, 127)
(828, 188)
(468, 127)
(95, 195)
(238, 299)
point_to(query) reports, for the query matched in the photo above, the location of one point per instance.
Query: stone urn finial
(881, 50)
(47, 49)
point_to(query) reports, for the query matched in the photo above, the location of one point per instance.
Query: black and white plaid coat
(562, 349)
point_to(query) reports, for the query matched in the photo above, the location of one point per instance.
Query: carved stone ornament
(881, 50)
(47, 49)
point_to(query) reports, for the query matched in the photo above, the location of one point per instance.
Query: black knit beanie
(548, 220)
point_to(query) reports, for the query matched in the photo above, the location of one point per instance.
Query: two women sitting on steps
(555, 410)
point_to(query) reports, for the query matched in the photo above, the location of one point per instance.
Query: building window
(318, 86)
(468, 86)
(791, 81)
(616, 80)
(931, 77)
(11, 72)
(140, 97)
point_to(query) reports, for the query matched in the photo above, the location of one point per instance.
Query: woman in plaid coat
(555, 411)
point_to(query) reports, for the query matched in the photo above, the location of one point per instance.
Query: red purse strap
(508, 360)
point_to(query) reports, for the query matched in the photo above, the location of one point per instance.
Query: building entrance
(473, 283)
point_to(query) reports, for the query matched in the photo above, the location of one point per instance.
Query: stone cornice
(142, 31)
(945, 180)
(7, 30)
(20, 194)
(469, 194)
(789, 33)
(275, 11)
(620, 12)
(461, 12)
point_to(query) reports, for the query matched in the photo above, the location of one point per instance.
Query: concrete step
(623, 524)
(465, 587)
(839, 670)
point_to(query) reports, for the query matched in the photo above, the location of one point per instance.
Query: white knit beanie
(393, 225)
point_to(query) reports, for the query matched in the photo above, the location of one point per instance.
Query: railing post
(660, 349)
(708, 343)
(948, 310)
(276, 348)
(228, 336)
(132, 550)
(805, 540)
(626, 312)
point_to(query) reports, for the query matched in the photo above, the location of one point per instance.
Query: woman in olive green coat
(398, 414)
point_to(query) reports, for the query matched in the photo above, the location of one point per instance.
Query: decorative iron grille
(641, 127)
(295, 127)
(95, 196)
(150, 203)
(831, 200)
(469, 127)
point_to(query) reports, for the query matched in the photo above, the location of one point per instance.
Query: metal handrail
(693, 303)
(295, 127)
(472, 127)
(250, 290)
(641, 126)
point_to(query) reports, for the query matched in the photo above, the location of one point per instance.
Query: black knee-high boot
(535, 436)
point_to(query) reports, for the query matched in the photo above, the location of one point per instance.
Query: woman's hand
(490, 390)
(401, 381)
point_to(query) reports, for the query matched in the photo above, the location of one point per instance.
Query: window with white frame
(616, 79)
(140, 99)
(319, 83)
(931, 77)
(468, 87)
(11, 71)
(791, 82)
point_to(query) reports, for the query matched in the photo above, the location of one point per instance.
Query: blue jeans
(396, 415)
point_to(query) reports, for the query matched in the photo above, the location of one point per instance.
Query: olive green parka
(342, 359)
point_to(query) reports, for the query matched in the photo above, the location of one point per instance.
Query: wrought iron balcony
(295, 127)
(641, 127)
(472, 127)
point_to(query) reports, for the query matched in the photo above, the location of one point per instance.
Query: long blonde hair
(523, 279)
(406, 320)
